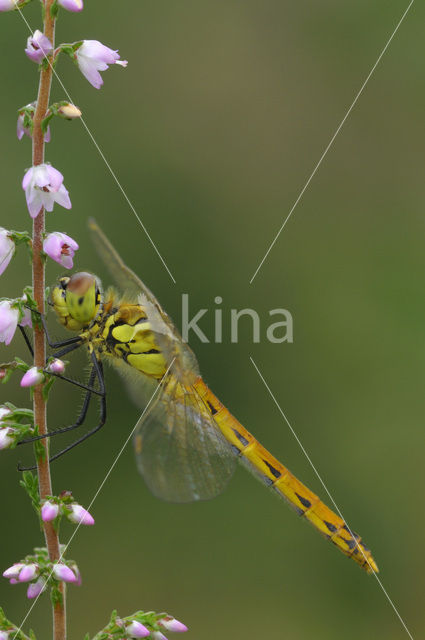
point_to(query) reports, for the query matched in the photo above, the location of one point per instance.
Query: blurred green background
(212, 130)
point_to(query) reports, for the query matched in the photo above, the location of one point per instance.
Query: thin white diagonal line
(322, 157)
(117, 457)
(329, 494)
(102, 155)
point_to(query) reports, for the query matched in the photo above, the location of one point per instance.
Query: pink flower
(13, 572)
(4, 635)
(8, 5)
(28, 572)
(171, 624)
(77, 574)
(43, 186)
(5, 439)
(4, 412)
(62, 572)
(32, 377)
(56, 366)
(93, 57)
(157, 635)
(49, 511)
(60, 248)
(26, 320)
(35, 588)
(9, 317)
(22, 130)
(7, 249)
(137, 630)
(79, 515)
(72, 5)
(38, 47)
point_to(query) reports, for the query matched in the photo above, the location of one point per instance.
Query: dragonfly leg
(80, 419)
(96, 372)
(52, 344)
(27, 340)
(67, 345)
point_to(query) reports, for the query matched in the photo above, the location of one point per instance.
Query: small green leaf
(56, 596)
(54, 9)
(47, 387)
(40, 450)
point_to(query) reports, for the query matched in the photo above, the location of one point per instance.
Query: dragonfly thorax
(77, 300)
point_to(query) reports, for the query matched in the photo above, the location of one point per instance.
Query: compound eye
(81, 282)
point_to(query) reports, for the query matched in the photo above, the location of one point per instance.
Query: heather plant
(48, 569)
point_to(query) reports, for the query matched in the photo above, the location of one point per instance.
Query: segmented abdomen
(276, 476)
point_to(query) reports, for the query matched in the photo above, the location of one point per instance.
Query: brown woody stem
(38, 277)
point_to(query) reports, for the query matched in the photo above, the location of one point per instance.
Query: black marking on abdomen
(330, 526)
(303, 501)
(352, 533)
(273, 471)
(351, 543)
(235, 449)
(240, 437)
(213, 411)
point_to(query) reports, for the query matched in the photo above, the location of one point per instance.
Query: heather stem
(43, 467)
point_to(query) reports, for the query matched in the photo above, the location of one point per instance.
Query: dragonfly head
(77, 300)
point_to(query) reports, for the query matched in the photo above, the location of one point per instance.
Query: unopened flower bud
(137, 630)
(171, 624)
(62, 572)
(32, 377)
(35, 588)
(157, 635)
(38, 47)
(69, 111)
(13, 571)
(4, 635)
(72, 5)
(79, 515)
(49, 511)
(28, 572)
(5, 438)
(56, 366)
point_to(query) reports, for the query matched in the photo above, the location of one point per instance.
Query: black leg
(99, 425)
(51, 343)
(77, 423)
(27, 340)
(70, 347)
(81, 385)
(97, 371)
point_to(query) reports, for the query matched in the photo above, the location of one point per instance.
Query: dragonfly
(186, 442)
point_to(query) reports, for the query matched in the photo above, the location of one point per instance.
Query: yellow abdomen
(276, 476)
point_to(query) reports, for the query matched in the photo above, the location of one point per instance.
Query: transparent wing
(180, 451)
(185, 366)
(140, 388)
